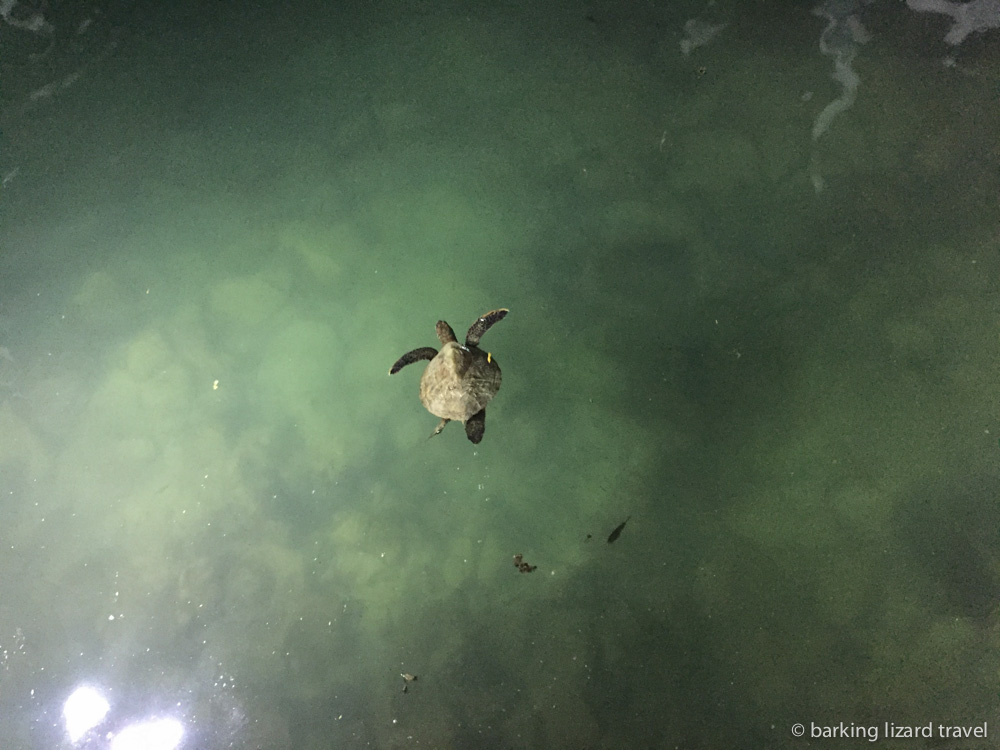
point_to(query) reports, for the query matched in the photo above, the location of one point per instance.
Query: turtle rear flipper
(475, 426)
(437, 430)
(481, 326)
(426, 352)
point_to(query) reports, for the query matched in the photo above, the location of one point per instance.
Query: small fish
(618, 531)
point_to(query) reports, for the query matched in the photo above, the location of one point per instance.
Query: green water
(222, 226)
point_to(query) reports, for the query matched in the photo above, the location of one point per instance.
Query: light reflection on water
(86, 709)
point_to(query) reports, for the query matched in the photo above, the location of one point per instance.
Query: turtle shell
(459, 382)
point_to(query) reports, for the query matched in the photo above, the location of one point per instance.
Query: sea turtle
(460, 380)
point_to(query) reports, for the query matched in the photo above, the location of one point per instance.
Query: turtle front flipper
(481, 326)
(425, 352)
(475, 426)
